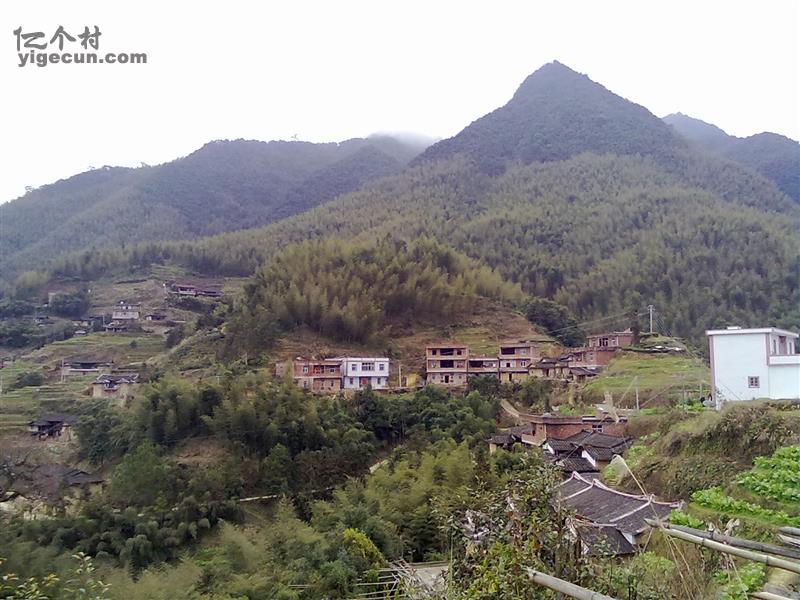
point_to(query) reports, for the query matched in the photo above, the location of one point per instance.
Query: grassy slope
(661, 378)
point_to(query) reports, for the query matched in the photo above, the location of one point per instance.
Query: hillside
(223, 186)
(651, 220)
(774, 156)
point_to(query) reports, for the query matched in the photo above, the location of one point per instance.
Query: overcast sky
(331, 70)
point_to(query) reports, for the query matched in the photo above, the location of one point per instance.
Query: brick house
(482, 365)
(612, 339)
(592, 356)
(549, 426)
(446, 364)
(316, 375)
(515, 360)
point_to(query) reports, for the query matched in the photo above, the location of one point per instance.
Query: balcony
(785, 359)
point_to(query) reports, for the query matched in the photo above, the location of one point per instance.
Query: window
(368, 366)
(774, 346)
(598, 427)
(353, 367)
(381, 367)
(753, 382)
(305, 369)
(352, 381)
(604, 341)
(523, 363)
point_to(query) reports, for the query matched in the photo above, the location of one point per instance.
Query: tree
(556, 319)
(140, 479)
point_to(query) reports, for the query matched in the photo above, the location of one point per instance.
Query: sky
(332, 70)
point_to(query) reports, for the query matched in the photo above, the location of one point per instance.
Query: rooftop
(593, 500)
(746, 331)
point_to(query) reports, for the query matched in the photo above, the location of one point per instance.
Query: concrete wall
(735, 358)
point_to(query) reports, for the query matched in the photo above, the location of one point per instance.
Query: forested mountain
(569, 191)
(223, 186)
(557, 113)
(776, 157)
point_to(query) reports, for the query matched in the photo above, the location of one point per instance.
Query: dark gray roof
(603, 454)
(603, 540)
(118, 378)
(55, 418)
(599, 440)
(575, 465)
(593, 500)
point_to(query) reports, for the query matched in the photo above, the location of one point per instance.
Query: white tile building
(358, 373)
(748, 364)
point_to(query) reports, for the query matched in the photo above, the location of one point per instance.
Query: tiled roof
(603, 540)
(593, 500)
(599, 440)
(575, 465)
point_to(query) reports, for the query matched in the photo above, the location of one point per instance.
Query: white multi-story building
(358, 373)
(125, 311)
(748, 364)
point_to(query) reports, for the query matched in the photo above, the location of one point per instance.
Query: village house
(592, 357)
(749, 364)
(126, 311)
(86, 364)
(594, 448)
(515, 359)
(509, 438)
(446, 364)
(155, 316)
(118, 386)
(359, 373)
(483, 365)
(115, 327)
(548, 426)
(187, 288)
(612, 339)
(316, 375)
(52, 426)
(597, 503)
(551, 367)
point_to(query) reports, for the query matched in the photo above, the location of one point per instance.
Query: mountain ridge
(225, 185)
(775, 156)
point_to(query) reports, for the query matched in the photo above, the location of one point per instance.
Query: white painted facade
(749, 364)
(358, 373)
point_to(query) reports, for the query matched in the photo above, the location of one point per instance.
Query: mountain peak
(551, 74)
(557, 113)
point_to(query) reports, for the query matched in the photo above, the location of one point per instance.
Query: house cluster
(750, 364)
(584, 444)
(452, 364)
(607, 522)
(334, 374)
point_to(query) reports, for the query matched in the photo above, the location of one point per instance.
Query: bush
(28, 379)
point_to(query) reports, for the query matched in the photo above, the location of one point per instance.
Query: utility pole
(636, 381)
(399, 375)
(650, 309)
